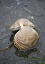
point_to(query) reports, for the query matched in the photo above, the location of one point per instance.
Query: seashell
(24, 22)
(25, 38)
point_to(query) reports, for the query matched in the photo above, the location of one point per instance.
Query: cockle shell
(24, 22)
(25, 38)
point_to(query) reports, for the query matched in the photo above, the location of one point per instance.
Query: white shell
(24, 22)
(25, 38)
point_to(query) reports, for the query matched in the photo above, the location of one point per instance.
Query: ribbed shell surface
(25, 38)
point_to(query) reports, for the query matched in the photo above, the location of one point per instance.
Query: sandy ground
(10, 11)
